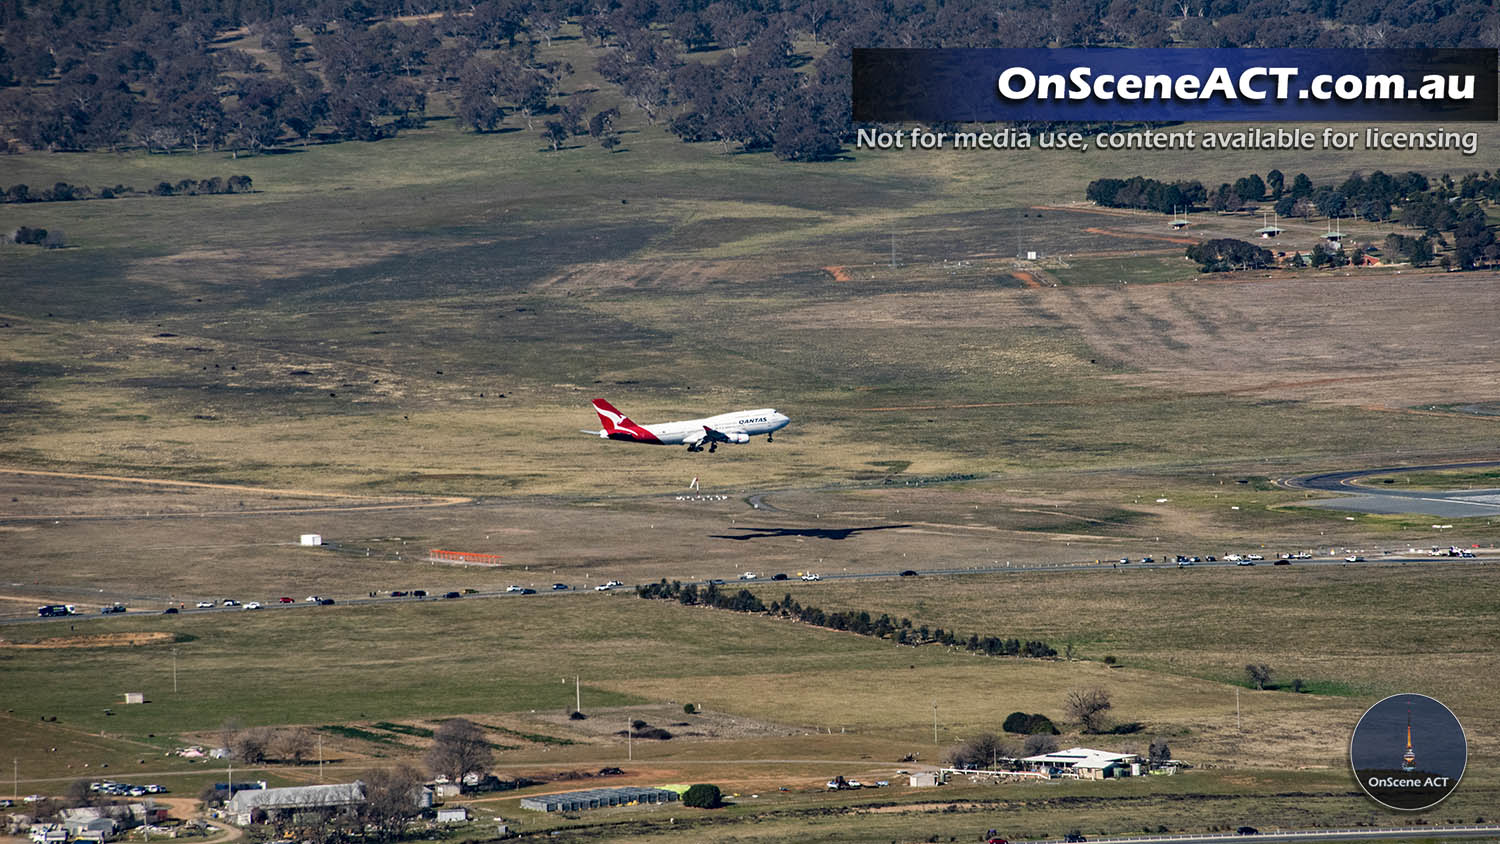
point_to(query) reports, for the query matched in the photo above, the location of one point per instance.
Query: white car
(811, 576)
(514, 588)
(230, 602)
(603, 587)
(203, 605)
(749, 575)
(253, 605)
(313, 599)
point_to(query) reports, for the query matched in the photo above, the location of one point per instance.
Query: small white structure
(135, 697)
(925, 779)
(312, 539)
(456, 814)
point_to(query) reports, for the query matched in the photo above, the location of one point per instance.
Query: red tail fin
(617, 426)
(612, 419)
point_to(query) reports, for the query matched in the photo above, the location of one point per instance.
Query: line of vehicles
(125, 789)
(1182, 561)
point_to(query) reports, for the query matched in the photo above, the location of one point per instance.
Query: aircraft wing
(729, 436)
(697, 439)
(591, 433)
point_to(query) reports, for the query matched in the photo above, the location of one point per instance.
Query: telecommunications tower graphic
(1408, 759)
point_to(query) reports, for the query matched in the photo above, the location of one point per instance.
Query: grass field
(871, 701)
(379, 324)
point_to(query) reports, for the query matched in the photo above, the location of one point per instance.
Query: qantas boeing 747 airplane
(735, 427)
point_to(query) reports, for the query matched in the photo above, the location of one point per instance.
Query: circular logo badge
(1408, 752)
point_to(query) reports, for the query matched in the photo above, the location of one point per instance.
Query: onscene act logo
(1408, 752)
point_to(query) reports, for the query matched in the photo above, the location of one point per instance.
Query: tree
(1301, 186)
(1087, 707)
(1159, 752)
(984, 751)
(459, 747)
(292, 745)
(1259, 674)
(80, 794)
(251, 746)
(703, 796)
(1034, 724)
(390, 799)
(555, 135)
(1277, 182)
(1038, 744)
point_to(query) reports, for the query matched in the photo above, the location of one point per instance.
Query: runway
(1456, 504)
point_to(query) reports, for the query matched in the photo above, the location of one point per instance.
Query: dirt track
(94, 640)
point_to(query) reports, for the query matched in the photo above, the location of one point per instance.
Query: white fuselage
(752, 423)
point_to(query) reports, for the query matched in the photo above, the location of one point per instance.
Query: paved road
(1355, 834)
(1456, 504)
(1491, 555)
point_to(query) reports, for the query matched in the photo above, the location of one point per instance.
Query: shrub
(1033, 724)
(703, 796)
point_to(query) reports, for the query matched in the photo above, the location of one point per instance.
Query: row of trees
(1226, 253)
(861, 622)
(88, 74)
(64, 192)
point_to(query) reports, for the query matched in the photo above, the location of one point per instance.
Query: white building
(1084, 763)
(456, 814)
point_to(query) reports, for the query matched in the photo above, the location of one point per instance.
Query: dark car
(1282, 563)
(453, 595)
(1148, 560)
(169, 611)
(285, 600)
(1247, 830)
(779, 576)
(528, 591)
(325, 602)
(908, 573)
(419, 593)
(398, 593)
(113, 608)
(718, 581)
(559, 586)
(1074, 838)
(1211, 559)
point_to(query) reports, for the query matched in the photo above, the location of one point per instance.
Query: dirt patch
(1027, 279)
(1188, 241)
(605, 723)
(922, 807)
(93, 640)
(839, 273)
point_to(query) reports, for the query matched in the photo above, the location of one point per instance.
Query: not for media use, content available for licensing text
(1329, 138)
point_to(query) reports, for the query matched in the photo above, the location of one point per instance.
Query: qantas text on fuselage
(734, 427)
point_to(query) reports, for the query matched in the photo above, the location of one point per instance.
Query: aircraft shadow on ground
(810, 533)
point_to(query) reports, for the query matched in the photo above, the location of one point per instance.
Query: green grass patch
(361, 734)
(404, 729)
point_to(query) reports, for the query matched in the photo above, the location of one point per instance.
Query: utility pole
(15, 784)
(577, 695)
(629, 739)
(934, 721)
(174, 671)
(320, 757)
(893, 250)
(1238, 725)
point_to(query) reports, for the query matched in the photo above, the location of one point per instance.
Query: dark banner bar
(1121, 85)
